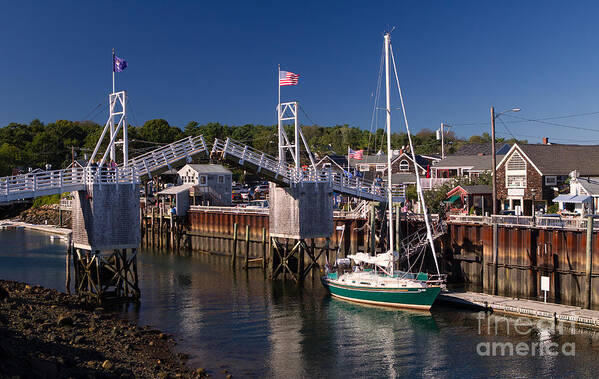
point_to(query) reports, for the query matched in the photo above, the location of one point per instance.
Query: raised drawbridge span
(287, 175)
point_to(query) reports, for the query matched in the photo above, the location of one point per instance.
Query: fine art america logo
(523, 328)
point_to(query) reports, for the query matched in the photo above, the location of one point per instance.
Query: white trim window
(221, 179)
(381, 167)
(551, 180)
(203, 180)
(404, 165)
(515, 171)
(364, 167)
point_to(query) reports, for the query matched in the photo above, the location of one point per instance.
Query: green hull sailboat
(373, 279)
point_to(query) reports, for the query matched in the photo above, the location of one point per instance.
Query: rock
(183, 356)
(162, 336)
(224, 371)
(200, 371)
(64, 320)
(162, 375)
(229, 376)
(79, 339)
(3, 294)
(107, 365)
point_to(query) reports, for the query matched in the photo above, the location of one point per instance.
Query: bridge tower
(303, 210)
(105, 217)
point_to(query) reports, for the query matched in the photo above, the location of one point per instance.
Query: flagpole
(348, 158)
(113, 88)
(281, 153)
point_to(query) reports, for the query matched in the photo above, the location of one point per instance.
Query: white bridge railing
(58, 181)
(163, 157)
(76, 178)
(545, 222)
(288, 174)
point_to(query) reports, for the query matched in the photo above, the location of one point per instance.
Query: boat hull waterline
(414, 298)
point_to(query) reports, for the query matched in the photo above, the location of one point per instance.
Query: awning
(175, 190)
(572, 198)
(452, 199)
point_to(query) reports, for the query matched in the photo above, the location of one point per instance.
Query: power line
(542, 122)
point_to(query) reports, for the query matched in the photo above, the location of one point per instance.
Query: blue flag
(118, 64)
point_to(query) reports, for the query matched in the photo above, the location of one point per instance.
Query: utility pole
(494, 160)
(442, 141)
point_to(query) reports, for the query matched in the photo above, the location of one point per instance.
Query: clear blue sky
(216, 61)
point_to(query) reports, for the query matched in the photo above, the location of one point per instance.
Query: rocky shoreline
(48, 334)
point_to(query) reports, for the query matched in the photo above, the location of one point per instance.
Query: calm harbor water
(257, 328)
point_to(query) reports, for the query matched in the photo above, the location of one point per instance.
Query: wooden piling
(397, 229)
(495, 261)
(247, 247)
(263, 248)
(69, 252)
(589, 260)
(234, 255)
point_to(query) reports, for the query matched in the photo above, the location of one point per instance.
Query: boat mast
(388, 110)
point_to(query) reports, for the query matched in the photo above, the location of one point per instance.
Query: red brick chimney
(545, 141)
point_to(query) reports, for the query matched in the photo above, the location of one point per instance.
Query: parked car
(258, 204)
(261, 191)
(507, 212)
(236, 196)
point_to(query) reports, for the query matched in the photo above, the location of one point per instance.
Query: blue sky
(216, 61)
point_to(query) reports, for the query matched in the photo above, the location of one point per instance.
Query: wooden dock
(521, 307)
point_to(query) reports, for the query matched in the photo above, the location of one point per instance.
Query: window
(516, 162)
(203, 180)
(404, 165)
(381, 167)
(515, 171)
(364, 167)
(551, 180)
(516, 181)
(221, 179)
(326, 166)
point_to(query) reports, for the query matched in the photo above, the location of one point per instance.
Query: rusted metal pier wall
(214, 232)
(524, 255)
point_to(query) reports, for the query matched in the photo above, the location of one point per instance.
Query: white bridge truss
(288, 175)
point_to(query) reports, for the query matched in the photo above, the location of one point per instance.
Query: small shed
(210, 184)
(174, 197)
(463, 198)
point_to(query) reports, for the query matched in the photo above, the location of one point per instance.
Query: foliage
(37, 144)
(45, 200)
(553, 208)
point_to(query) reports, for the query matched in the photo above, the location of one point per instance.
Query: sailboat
(374, 279)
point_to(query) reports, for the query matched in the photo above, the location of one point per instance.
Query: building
(533, 175)
(463, 199)
(211, 184)
(375, 166)
(337, 163)
(583, 197)
(458, 166)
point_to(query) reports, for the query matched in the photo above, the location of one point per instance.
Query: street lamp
(493, 117)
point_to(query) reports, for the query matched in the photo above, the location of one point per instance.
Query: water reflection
(254, 327)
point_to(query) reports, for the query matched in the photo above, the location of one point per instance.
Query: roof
(338, 160)
(175, 189)
(209, 168)
(563, 159)
(482, 148)
(400, 178)
(590, 185)
(479, 189)
(381, 158)
(472, 162)
(572, 198)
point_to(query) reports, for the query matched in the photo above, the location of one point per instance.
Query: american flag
(357, 155)
(287, 78)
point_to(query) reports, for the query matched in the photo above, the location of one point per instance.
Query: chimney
(545, 141)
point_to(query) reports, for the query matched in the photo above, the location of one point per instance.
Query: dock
(51, 229)
(521, 307)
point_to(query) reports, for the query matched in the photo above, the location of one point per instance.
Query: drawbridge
(286, 175)
(75, 178)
